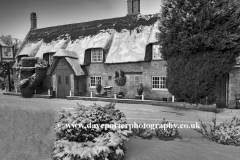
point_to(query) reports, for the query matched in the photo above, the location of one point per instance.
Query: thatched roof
(73, 63)
(124, 39)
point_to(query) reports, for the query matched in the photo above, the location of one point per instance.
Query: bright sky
(15, 14)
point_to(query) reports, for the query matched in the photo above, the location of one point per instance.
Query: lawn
(185, 149)
(27, 135)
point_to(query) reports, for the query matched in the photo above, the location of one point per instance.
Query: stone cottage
(82, 53)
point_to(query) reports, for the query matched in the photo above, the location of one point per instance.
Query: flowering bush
(85, 139)
(41, 64)
(168, 133)
(224, 133)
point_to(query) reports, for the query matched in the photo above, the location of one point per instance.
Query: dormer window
(96, 55)
(50, 59)
(156, 52)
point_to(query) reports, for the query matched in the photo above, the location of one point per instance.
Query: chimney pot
(133, 7)
(33, 20)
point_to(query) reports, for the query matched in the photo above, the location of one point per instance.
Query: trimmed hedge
(27, 72)
(29, 61)
(32, 77)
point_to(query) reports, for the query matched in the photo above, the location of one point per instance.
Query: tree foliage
(200, 41)
(10, 41)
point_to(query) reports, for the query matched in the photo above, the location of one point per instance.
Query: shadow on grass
(26, 134)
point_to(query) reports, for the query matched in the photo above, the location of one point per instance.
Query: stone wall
(144, 69)
(233, 87)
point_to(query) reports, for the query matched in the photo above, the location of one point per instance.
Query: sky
(15, 14)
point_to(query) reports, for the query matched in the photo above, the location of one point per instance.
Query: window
(50, 59)
(59, 79)
(136, 78)
(94, 80)
(67, 80)
(159, 82)
(97, 55)
(156, 52)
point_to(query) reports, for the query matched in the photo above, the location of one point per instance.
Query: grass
(184, 149)
(25, 134)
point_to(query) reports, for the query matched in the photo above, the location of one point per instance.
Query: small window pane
(156, 52)
(50, 59)
(97, 55)
(67, 80)
(159, 82)
(59, 79)
(94, 80)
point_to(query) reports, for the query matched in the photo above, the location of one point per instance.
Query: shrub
(144, 133)
(98, 86)
(41, 63)
(116, 74)
(120, 80)
(224, 133)
(32, 77)
(121, 93)
(29, 61)
(167, 133)
(140, 89)
(88, 140)
(26, 72)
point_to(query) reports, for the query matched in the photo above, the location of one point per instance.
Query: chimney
(33, 21)
(133, 7)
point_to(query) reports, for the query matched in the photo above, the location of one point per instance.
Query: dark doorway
(222, 92)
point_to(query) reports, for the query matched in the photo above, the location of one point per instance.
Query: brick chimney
(33, 21)
(133, 7)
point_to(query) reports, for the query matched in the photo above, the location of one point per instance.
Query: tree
(200, 41)
(10, 41)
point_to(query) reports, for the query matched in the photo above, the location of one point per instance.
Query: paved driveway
(139, 113)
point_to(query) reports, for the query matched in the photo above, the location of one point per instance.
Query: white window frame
(94, 78)
(158, 83)
(156, 54)
(96, 55)
(50, 58)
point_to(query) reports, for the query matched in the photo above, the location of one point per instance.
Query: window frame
(135, 78)
(50, 58)
(160, 83)
(66, 79)
(153, 49)
(93, 51)
(95, 79)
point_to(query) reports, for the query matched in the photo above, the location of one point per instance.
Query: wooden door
(67, 84)
(222, 92)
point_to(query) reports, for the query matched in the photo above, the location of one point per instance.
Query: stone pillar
(72, 84)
